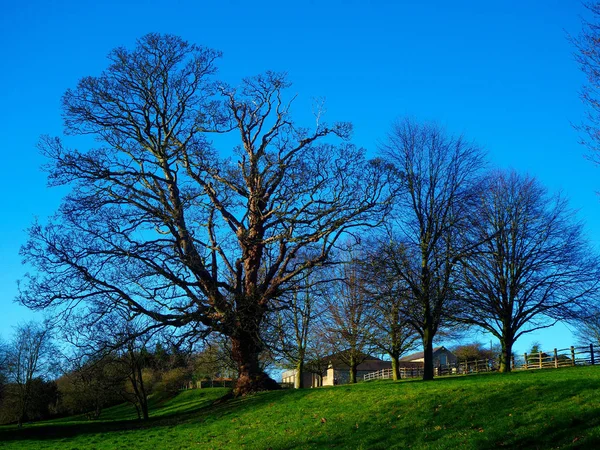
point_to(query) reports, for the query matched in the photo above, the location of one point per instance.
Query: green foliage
(172, 381)
(534, 409)
(43, 396)
(90, 388)
(474, 351)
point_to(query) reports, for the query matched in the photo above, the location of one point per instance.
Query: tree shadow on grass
(502, 414)
(223, 406)
(496, 414)
(64, 429)
(543, 415)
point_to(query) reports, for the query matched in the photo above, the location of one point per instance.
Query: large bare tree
(587, 54)
(534, 265)
(162, 223)
(427, 242)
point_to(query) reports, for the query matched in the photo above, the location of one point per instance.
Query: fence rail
(565, 357)
(405, 372)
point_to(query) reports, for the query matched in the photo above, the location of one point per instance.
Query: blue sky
(501, 73)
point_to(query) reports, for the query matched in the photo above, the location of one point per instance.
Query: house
(441, 357)
(337, 372)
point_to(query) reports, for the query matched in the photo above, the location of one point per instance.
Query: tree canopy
(161, 223)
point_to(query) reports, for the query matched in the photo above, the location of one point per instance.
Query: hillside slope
(556, 408)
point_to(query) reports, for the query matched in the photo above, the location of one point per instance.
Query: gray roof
(420, 355)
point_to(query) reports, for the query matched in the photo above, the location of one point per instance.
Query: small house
(441, 357)
(338, 371)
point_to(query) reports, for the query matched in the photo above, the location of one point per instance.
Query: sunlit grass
(536, 409)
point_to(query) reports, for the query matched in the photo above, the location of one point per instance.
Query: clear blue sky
(502, 73)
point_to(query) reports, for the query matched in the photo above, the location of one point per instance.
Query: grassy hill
(555, 408)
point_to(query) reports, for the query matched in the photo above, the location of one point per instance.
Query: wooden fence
(384, 374)
(565, 357)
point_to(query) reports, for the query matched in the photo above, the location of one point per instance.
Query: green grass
(555, 408)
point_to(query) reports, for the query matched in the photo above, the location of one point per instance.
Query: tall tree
(161, 223)
(3, 368)
(29, 356)
(534, 265)
(348, 316)
(588, 56)
(438, 172)
(392, 330)
(293, 324)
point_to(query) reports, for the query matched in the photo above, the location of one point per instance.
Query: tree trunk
(137, 410)
(143, 395)
(24, 400)
(251, 378)
(299, 379)
(505, 356)
(144, 405)
(427, 355)
(352, 370)
(395, 367)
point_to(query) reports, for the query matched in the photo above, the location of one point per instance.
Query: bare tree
(534, 265)
(3, 368)
(29, 355)
(392, 331)
(318, 350)
(347, 316)
(134, 356)
(294, 323)
(588, 56)
(587, 327)
(162, 224)
(89, 384)
(438, 172)
(214, 359)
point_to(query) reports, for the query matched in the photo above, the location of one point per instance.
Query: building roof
(421, 355)
(340, 356)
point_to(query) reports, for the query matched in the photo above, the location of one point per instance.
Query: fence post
(592, 354)
(555, 359)
(540, 360)
(512, 358)
(525, 356)
(572, 355)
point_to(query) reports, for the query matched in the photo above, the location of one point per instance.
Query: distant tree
(41, 405)
(475, 351)
(134, 356)
(587, 327)
(347, 316)
(293, 324)
(90, 384)
(214, 360)
(158, 222)
(534, 266)
(128, 344)
(29, 355)
(536, 347)
(3, 368)
(438, 173)
(319, 349)
(392, 331)
(587, 54)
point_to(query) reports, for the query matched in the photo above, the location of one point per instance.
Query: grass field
(555, 408)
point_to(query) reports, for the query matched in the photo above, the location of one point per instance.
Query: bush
(172, 381)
